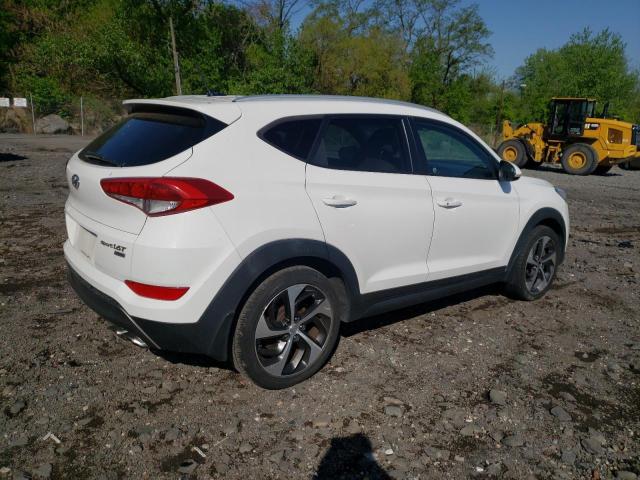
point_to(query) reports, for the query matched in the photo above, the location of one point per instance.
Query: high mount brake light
(165, 195)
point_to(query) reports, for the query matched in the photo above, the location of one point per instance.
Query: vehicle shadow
(350, 457)
(11, 157)
(348, 329)
(192, 360)
(395, 316)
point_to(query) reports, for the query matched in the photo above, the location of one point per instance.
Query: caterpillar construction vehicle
(575, 136)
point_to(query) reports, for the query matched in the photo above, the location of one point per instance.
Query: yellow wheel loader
(575, 136)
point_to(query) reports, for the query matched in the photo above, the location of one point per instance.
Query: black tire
(281, 356)
(602, 169)
(633, 164)
(588, 159)
(513, 151)
(519, 284)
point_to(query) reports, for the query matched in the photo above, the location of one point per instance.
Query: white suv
(249, 228)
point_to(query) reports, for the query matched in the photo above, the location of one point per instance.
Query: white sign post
(4, 102)
(20, 102)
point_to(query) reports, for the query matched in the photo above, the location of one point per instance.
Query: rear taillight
(156, 292)
(165, 195)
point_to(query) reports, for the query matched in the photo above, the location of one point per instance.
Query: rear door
(370, 205)
(149, 142)
(476, 216)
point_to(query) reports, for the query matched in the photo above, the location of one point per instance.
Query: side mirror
(508, 172)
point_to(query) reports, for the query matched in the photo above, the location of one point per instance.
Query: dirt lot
(405, 396)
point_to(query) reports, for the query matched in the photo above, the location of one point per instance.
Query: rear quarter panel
(270, 201)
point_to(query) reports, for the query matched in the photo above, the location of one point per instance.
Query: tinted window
(149, 137)
(559, 126)
(451, 153)
(294, 137)
(368, 144)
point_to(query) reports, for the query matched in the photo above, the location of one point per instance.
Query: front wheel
(579, 159)
(287, 328)
(535, 266)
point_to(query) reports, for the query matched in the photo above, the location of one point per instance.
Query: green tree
(353, 56)
(450, 42)
(276, 62)
(588, 65)
(7, 41)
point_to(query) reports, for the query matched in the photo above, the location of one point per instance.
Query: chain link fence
(84, 116)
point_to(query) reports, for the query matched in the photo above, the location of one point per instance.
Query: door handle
(339, 201)
(449, 203)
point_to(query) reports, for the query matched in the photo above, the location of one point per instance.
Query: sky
(520, 27)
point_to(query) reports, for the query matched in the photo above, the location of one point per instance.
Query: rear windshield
(150, 136)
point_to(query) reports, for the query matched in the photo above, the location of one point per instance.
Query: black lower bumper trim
(165, 336)
(100, 303)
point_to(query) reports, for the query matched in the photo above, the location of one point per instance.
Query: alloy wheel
(292, 331)
(541, 265)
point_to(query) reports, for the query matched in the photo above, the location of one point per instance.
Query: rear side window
(294, 137)
(147, 137)
(363, 143)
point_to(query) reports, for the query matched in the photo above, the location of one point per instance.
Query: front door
(476, 216)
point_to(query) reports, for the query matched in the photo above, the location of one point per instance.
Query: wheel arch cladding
(216, 324)
(549, 217)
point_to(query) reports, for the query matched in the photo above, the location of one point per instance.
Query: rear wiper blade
(98, 158)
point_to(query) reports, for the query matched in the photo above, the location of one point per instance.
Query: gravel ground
(472, 386)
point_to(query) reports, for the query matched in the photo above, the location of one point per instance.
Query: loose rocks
(561, 414)
(498, 397)
(513, 440)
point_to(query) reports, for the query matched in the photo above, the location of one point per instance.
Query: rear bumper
(176, 337)
(105, 306)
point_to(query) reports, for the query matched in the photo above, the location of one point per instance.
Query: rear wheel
(287, 328)
(579, 159)
(513, 151)
(602, 169)
(535, 266)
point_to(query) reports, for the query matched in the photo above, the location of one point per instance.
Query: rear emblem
(75, 181)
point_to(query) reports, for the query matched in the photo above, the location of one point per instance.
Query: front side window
(363, 143)
(294, 137)
(448, 152)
